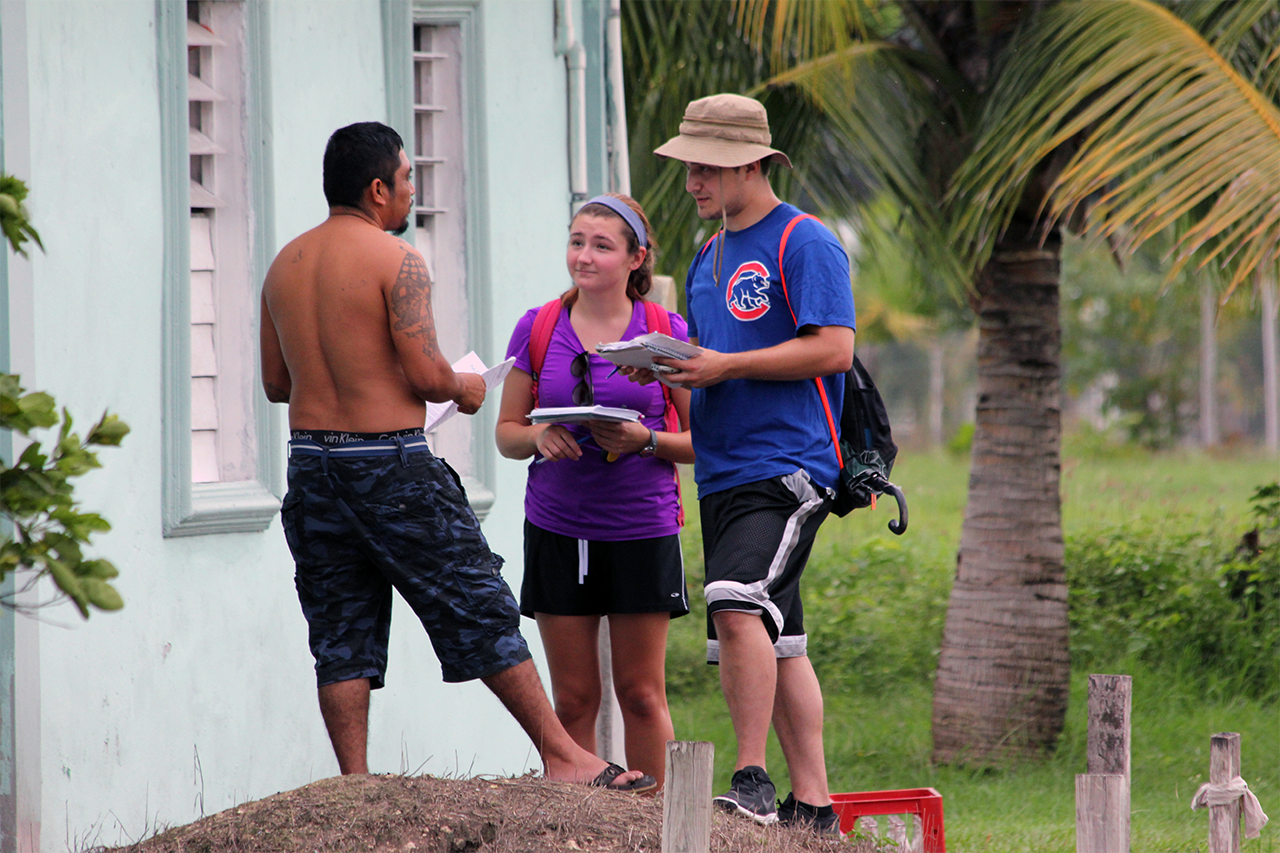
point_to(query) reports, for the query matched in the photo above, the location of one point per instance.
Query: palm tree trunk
(1001, 688)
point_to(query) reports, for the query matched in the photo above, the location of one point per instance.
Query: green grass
(874, 607)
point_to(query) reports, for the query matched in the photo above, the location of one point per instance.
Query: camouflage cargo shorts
(358, 526)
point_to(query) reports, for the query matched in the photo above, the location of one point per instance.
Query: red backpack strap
(658, 320)
(544, 324)
(822, 389)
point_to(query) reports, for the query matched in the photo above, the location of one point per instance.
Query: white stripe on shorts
(757, 592)
(786, 647)
(582, 561)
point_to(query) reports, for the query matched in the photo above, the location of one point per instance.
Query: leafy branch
(13, 214)
(36, 496)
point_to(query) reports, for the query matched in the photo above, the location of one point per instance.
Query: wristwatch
(652, 447)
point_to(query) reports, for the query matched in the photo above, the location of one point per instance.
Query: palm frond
(795, 30)
(675, 51)
(1164, 126)
(885, 118)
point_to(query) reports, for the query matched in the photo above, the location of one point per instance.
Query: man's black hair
(355, 156)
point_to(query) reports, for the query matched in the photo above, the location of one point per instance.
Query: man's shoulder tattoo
(411, 302)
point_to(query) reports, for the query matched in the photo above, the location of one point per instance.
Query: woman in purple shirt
(602, 507)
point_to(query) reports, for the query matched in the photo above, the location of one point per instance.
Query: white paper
(581, 414)
(438, 413)
(639, 351)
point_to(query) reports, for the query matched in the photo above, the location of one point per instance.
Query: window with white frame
(433, 73)
(440, 214)
(223, 446)
(219, 476)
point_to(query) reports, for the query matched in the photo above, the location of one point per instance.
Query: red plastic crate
(925, 802)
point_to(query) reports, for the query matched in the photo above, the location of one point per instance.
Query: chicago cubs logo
(747, 295)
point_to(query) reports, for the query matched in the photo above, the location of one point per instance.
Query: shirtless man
(348, 341)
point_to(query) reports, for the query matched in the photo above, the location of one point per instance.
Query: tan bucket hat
(723, 130)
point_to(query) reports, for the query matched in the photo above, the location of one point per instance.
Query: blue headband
(628, 215)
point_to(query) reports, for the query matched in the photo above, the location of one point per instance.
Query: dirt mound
(429, 815)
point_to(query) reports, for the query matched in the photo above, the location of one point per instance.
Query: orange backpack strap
(658, 320)
(707, 245)
(822, 389)
(544, 324)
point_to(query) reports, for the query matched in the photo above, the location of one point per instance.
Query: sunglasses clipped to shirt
(584, 393)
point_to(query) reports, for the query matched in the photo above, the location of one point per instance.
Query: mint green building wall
(200, 694)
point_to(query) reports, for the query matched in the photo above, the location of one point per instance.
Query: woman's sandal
(613, 771)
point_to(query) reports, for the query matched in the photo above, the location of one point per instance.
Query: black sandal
(613, 771)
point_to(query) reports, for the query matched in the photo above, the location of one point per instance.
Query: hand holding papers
(581, 414)
(640, 351)
(438, 413)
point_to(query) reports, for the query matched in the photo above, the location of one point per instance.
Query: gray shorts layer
(756, 540)
(359, 524)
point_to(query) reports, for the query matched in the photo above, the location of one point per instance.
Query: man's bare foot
(595, 771)
(609, 777)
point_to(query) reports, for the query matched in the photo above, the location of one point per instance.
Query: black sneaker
(751, 795)
(822, 821)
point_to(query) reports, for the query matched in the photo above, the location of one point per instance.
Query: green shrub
(1185, 600)
(873, 617)
(961, 443)
(1167, 587)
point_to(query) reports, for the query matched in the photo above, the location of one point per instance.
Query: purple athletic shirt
(632, 498)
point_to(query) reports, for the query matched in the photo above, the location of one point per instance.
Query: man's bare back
(348, 336)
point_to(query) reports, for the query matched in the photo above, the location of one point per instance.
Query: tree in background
(675, 51)
(1131, 348)
(46, 529)
(993, 126)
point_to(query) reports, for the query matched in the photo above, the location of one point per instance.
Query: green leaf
(68, 549)
(101, 569)
(32, 457)
(10, 385)
(80, 525)
(101, 594)
(39, 408)
(67, 581)
(74, 460)
(14, 221)
(110, 430)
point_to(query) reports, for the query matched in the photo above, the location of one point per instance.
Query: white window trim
(191, 509)
(399, 17)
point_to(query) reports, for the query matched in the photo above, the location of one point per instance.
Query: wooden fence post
(686, 804)
(1110, 706)
(1102, 813)
(1224, 820)
(1102, 795)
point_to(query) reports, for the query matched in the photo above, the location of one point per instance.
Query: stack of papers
(438, 413)
(639, 352)
(578, 414)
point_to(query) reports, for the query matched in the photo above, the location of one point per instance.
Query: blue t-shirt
(634, 497)
(745, 430)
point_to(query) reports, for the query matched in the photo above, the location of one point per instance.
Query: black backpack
(866, 449)
(866, 444)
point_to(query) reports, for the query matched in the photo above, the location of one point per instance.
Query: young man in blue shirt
(766, 465)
